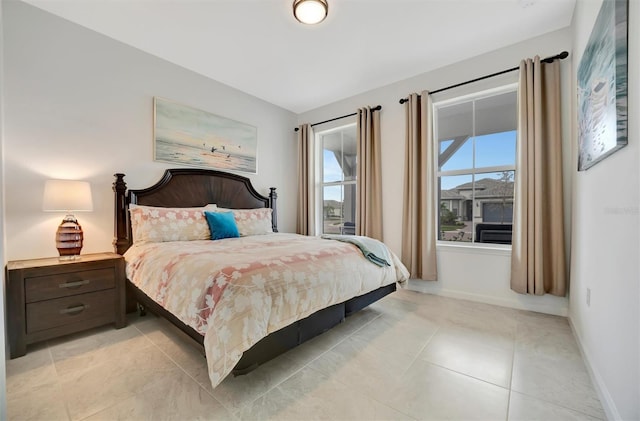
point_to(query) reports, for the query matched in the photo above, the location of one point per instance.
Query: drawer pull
(74, 310)
(74, 284)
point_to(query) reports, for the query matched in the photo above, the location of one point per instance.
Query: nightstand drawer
(49, 298)
(41, 288)
(52, 313)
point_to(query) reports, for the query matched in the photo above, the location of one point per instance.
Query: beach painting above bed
(602, 86)
(189, 136)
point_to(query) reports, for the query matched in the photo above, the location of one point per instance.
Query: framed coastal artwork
(189, 136)
(602, 86)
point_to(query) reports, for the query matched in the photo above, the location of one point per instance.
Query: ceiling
(258, 47)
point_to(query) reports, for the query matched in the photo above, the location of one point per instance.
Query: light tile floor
(408, 356)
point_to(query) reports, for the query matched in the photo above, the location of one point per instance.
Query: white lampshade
(310, 11)
(67, 195)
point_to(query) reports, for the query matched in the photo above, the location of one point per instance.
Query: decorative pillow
(156, 224)
(222, 225)
(253, 221)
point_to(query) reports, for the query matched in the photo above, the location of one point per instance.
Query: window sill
(474, 248)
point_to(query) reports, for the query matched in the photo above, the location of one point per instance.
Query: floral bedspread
(238, 290)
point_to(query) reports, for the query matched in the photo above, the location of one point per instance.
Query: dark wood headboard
(183, 188)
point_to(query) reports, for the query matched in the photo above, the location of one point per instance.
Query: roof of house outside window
(484, 188)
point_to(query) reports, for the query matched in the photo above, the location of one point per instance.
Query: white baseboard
(560, 309)
(608, 405)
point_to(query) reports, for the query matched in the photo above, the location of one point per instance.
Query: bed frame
(186, 187)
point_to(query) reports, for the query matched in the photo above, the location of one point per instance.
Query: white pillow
(252, 221)
(157, 224)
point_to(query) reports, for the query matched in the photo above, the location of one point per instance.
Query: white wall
(80, 105)
(463, 272)
(3, 379)
(607, 245)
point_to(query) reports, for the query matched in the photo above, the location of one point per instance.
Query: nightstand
(47, 298)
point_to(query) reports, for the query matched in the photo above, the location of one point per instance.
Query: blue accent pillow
(222, 225)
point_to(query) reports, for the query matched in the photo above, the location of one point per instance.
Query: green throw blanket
(375, 251)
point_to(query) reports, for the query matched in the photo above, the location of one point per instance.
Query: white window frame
(319, 176)
(488, 247)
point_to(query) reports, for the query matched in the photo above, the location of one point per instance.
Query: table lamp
(68, 196)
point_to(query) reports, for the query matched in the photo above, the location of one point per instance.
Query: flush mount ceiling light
(310, 12)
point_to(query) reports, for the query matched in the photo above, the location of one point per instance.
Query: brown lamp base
(69, 238)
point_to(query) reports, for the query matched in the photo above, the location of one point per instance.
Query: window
(338, 174)
(476, 166)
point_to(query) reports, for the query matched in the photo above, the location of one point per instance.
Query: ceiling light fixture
(310, 12)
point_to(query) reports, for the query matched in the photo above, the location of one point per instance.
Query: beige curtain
(538, 249)
(419, 226)
(369, 178)
(305, 216)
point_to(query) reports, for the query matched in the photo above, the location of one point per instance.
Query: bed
(227, 309)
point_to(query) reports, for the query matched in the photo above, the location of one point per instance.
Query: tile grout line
(511, 391)
(233, 413)
(421, 351)
(373, 398)
(229, 410)
(169, 357)
(465, 375)
(66, 404)
(405, 372)
(439, 327)
(361, 393)
(513, 362)
(558, 405)
(303, 365)
(135, 394)
(55, 368)
(306, 364)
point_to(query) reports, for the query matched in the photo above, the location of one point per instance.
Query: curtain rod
(560, 56)
(376, 108)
